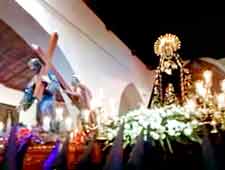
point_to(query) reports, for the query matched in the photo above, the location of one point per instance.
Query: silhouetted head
(35, 64)
(75, 81)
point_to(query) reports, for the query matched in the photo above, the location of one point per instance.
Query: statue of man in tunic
(46, 105)
(81, 97)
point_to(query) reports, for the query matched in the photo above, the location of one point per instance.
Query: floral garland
(166, 123)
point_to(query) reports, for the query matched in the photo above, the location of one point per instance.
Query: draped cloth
(208, 154)
(21, 151)
(15, 153)
(135, 161)
(57, 159)
(9, 162)
(33, 111)
(46, 106)
(85, 161)
(115, 158)
(60, 162)
(49, 162)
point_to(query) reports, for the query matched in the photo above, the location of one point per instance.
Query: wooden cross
(47, 58)
(39, 88)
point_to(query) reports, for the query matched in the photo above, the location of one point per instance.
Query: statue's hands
(74, 94)
(19, 108)
(68, 92)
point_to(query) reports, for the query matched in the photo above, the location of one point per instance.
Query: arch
(198, 66)
(130, 99)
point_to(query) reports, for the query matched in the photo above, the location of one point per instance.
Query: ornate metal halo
(166, 42)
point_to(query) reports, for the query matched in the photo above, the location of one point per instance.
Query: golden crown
(166, 41)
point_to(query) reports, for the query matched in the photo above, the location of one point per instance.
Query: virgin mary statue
(172, 79)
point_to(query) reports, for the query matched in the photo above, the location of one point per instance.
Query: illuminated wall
(9, 96)
(99, 58)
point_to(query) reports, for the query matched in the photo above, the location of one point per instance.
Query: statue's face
(31, 66)
(168, 50)
(34, 65)
(75, 81)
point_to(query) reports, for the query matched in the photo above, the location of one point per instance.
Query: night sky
(138, 25)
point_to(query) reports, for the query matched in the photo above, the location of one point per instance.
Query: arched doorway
(198, 66)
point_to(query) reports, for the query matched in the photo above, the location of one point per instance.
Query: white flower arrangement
(172, 122)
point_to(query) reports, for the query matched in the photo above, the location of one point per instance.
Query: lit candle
(101, 94)
(98, 100)
(200, 90)
(223, 86)
(71, 136)
(191, 105)
(112, 103)
(59, 113)
(68, 124)
(95, 103)
(46, 123)
(221, 100)
(85, 114)
(1, 127)
(208, 77)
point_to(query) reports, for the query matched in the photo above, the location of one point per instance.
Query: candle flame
(223, 86)
(191, 105)
(200, 90)
(221, 100)
(1, 126)
(68, 123)
(59, 113)
(207, 77)
(46, 123)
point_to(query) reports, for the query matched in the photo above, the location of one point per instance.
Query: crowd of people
(16, 150)
(143, 155)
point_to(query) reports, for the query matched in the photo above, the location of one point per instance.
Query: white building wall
(100, 59)
(9, 96)
(32, 32)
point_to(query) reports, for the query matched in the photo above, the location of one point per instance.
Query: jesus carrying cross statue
(41, 89)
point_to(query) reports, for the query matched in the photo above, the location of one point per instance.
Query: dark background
(139, 23)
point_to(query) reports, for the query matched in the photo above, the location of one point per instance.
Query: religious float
(189, 105)
(45, 111)
(181, 117)
(185, 120)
